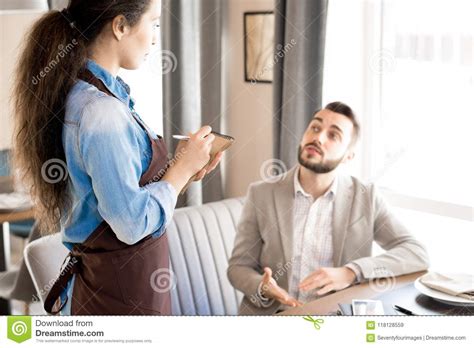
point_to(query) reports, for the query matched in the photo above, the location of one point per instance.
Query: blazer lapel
(341, 215)
(284, 202)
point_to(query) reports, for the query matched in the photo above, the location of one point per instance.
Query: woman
(118, 190)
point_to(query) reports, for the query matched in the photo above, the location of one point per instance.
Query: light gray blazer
(265, 232)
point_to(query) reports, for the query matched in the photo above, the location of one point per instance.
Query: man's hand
(328, 279)
(270, 289)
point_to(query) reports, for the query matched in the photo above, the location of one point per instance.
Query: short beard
(319, 168)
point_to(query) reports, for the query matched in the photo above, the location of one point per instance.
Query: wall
(13, 25)
(248, 107)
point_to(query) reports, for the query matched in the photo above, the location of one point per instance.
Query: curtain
(58, 4)
(191, 48)
(300, 31)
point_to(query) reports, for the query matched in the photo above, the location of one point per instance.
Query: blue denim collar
(114, 84)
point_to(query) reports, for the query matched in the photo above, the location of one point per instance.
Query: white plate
(441, 296)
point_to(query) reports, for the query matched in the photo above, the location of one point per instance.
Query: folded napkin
(461, 285)
(14, 201)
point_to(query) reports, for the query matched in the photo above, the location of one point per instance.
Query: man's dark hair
(345, 110)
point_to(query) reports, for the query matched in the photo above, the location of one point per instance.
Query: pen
(403, 310)
(185, 137)
(181, 137)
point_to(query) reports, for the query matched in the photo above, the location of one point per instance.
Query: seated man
(310, 231)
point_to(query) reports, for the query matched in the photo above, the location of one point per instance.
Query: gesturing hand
(270, 289)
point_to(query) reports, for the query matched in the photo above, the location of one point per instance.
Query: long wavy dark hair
(54, 52)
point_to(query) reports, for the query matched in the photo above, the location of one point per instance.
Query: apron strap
(53, 303)
(87, 76)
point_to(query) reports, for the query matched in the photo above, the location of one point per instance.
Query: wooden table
(12, 216)
(17, 216)
(329, 304)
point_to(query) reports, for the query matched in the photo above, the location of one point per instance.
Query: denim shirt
(107, 151)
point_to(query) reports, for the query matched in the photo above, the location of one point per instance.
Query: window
(407, 69)
(146, 88)
(426, 65)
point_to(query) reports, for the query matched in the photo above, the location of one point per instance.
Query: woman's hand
(191, 156)
(209, 168)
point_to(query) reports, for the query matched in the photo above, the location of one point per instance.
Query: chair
(16, 283)
(44, 258)
(20, 229)
(201, 241)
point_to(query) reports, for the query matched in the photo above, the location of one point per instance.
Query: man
(310, 231)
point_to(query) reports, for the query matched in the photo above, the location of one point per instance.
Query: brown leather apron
(113, 277)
